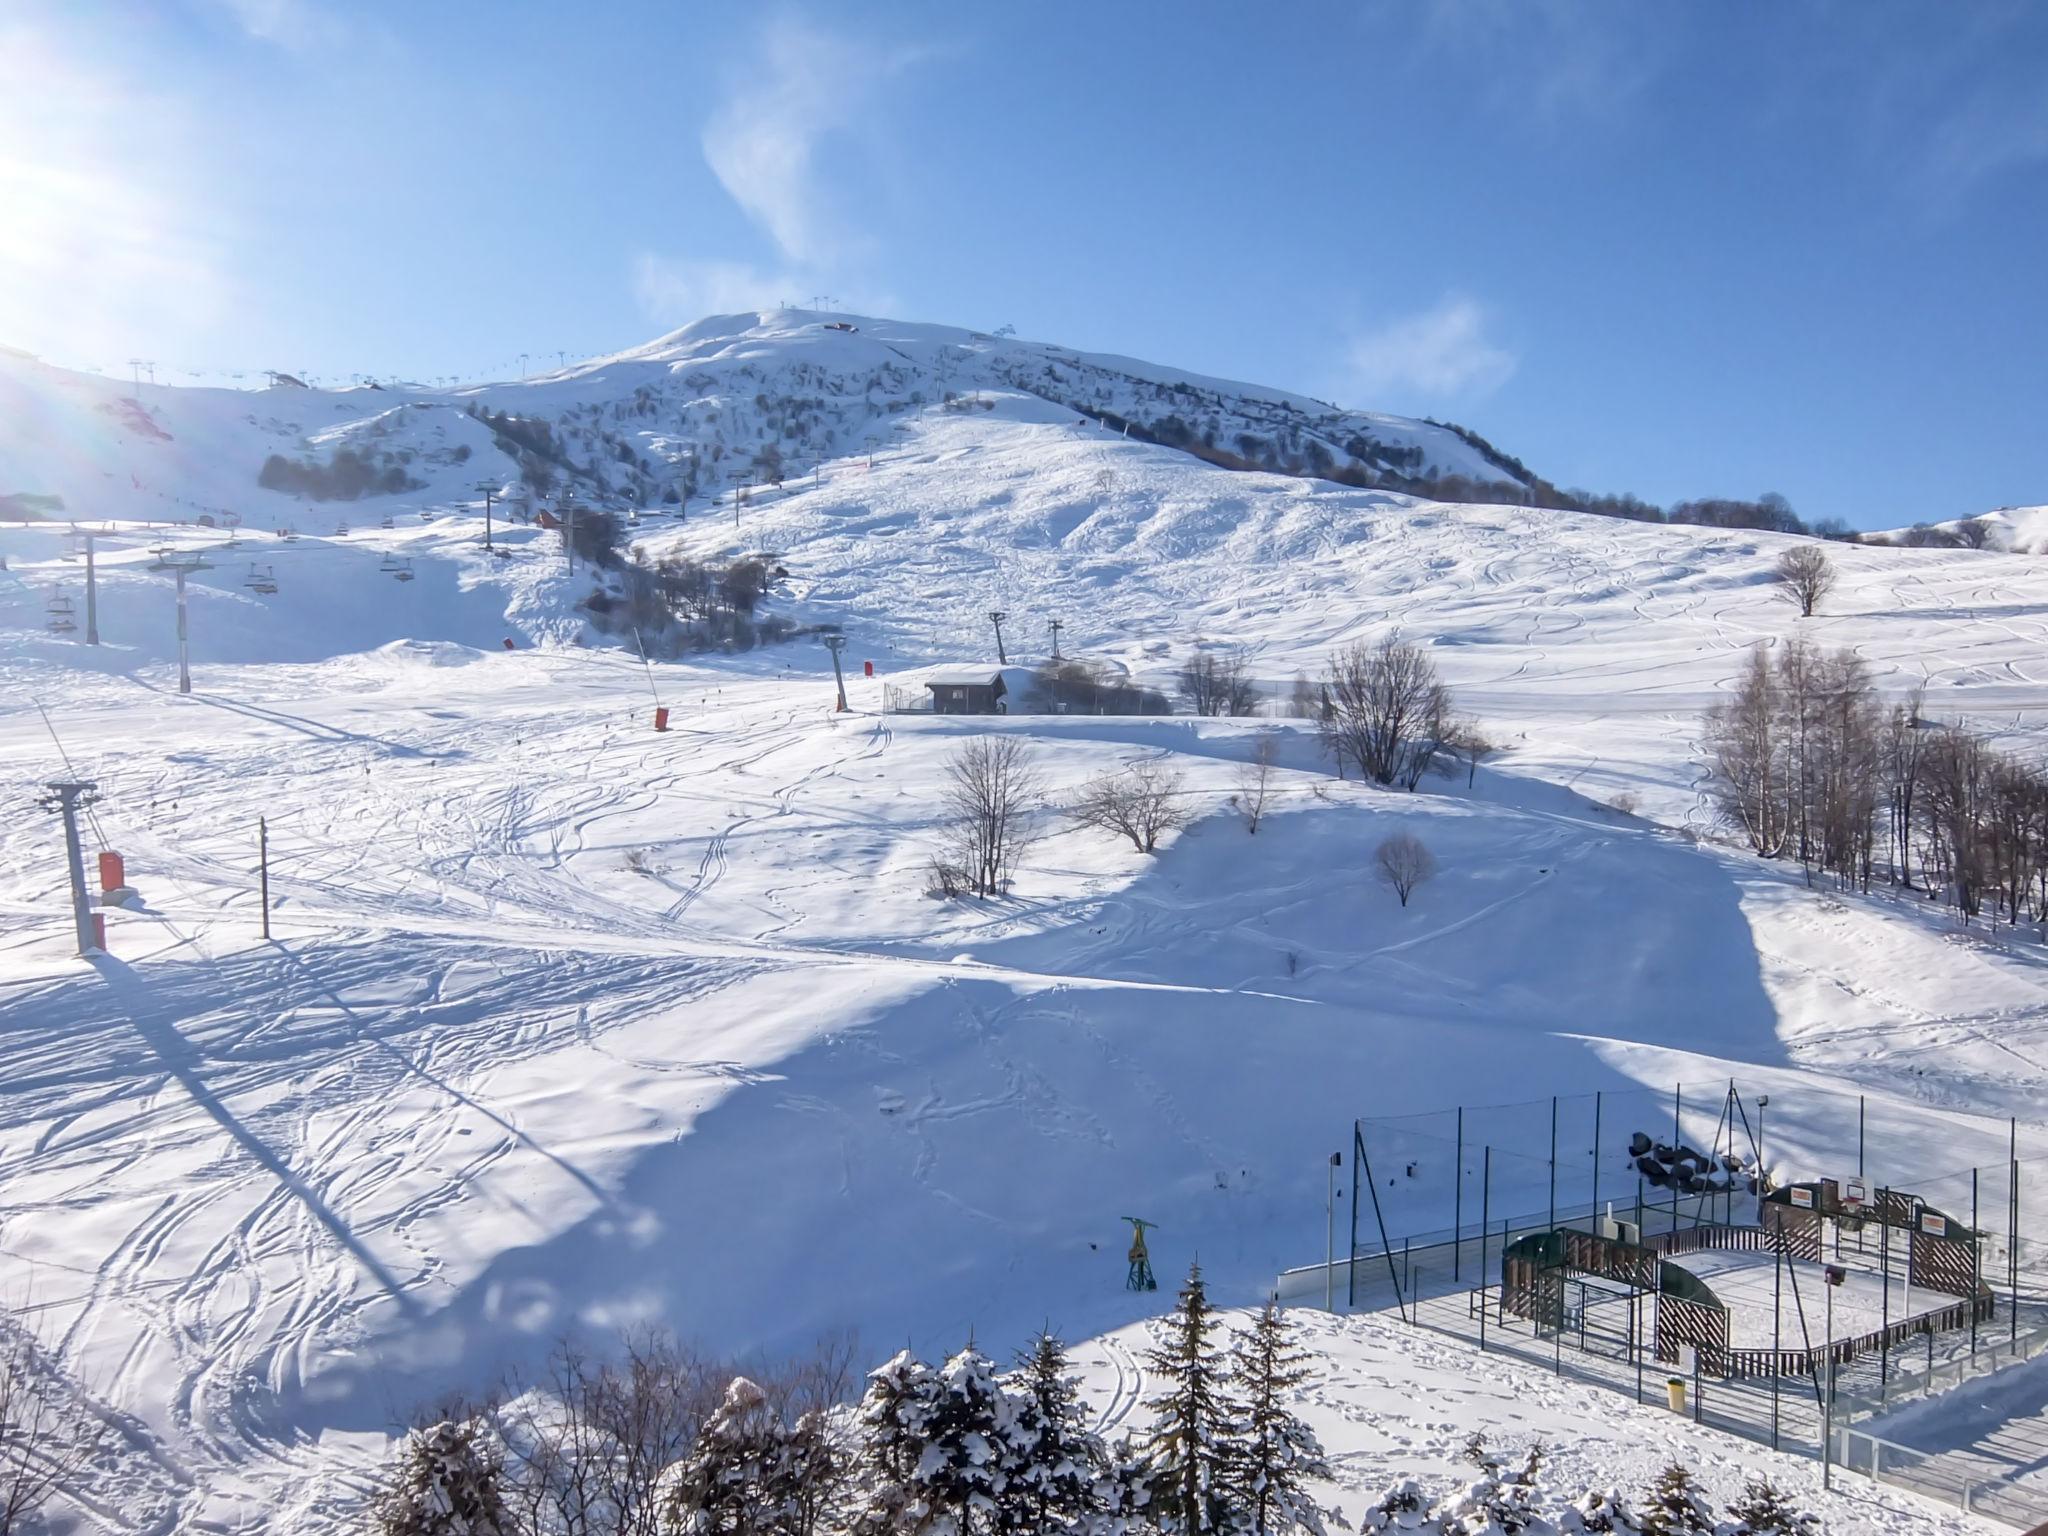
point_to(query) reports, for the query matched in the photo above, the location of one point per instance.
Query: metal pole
(92, 596)
(263, 864)
(1859, 1135)
(1677, 1136)
(1357, 1157)
(68, 796)
(1485, 1209)
(1458, 1199)
(1777, 1324)
(1330, 1236)
(184, 646)
(835, 644)
(2012, 1247)
(1553, 1162)
(1884, 1264)
(1827, 1422)
(1976, 1260)
(996, 618)
(1056, 626)
(1596, 1161)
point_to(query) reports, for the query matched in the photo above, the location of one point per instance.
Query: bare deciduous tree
(991, 783)
(1404, 863)
(1387, 713)
(1219, 682)
(1141, 803)
(1806, 574)
(1255, 783)
(44, 1448)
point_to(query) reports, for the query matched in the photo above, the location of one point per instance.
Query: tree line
(960, 1448)
(1810, 763)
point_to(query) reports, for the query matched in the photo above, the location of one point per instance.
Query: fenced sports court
(1780, 1263)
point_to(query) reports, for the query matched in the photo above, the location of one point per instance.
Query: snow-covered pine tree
(1122, 1498)
(894, 1420)
(1060, 1461)
(1675, 1507)
(1496, 1503)
(1599, 1512)
(1762, 1510)
(445, 1484)
(732, 1482)
(1192, 1452)
(1403, 1507)
(1279, 1450)
(969, 1450)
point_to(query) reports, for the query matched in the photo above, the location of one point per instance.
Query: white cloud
(762, 143)
(1443, 351)
(675, 290)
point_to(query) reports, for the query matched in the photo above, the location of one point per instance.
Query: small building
(967, 693)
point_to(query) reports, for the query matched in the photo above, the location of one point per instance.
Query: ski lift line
(91, 816)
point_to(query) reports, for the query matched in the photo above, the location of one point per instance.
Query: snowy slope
(565, 1024)
(2020, 530)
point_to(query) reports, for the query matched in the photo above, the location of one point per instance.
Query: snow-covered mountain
(730, 400)
(566, 1025)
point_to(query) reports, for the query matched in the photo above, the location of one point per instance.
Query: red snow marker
(661, 717)
(99, 931)
(868, 668)
(112, 875)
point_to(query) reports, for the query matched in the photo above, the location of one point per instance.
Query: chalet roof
(964, 677)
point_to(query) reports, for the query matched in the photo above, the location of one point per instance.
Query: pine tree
(895, 1430)
(733, 1482)
(1403, 1507)
(1060, 1461)
(970, 1451)
(1280, 1451)
(1496, 1503)
(1675, 1507)
(1761, 1510)
(445, 1484)
(1599, 1512)
(1192, 1453)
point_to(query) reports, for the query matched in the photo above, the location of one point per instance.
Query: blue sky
(1675, 249)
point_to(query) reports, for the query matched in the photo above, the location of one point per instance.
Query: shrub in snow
(1761, 1510)
(1403, 1507)
(1599, 1511)
(1496, 1503)
(748, 1474)
(1675, 1507)
(445, 1484)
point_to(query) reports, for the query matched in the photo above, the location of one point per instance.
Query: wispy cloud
(674, 289)
(1442, 352)
(1551, 60)
(298, 26)
(763, 142)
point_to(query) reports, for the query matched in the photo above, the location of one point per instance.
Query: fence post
(1458, 1200)
(1485, 1205)
(1596, 1160)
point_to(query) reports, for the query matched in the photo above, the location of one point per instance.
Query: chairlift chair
(59, 610)
(262, 578)
(390, 563)
(387, 523)
(341, 530)
(404, 571)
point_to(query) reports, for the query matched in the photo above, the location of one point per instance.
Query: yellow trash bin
(1674, 1387)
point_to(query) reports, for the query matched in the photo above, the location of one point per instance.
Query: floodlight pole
(835, 644)
(1827, 1430)
(69, 795)
(996, 618)
(1055, 626)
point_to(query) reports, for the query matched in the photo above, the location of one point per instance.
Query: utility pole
(92, 591)
(1056, 626)
(568, 510)
(181, 569)
(996, 618)
(490, 491)
(263, 868)
(835, 644)
(67, 796)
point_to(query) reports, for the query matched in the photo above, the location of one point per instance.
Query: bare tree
(1387, 713)
(1141, 803)
(1807, 575)
(991, 783)
(45, 1446)
(1219, 682)
(1465, 738)
(1255, 783)
(1404, 863)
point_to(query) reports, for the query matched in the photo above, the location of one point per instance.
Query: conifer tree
(895, 1430)
(1599, 1512)
(1403, 1507)
(1056, 1485)
(445, 1484)
(1279, 1450)
(1192, 1453)
(1761, 1510)
(734, 1481)
(1496, 1502)
(970, 1451)
(1675, 1507)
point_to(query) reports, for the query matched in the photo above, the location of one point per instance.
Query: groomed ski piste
(568, 1026)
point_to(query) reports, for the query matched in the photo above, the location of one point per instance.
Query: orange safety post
(112, 875)
(868, 668)
(661, 717)
(99, 930)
